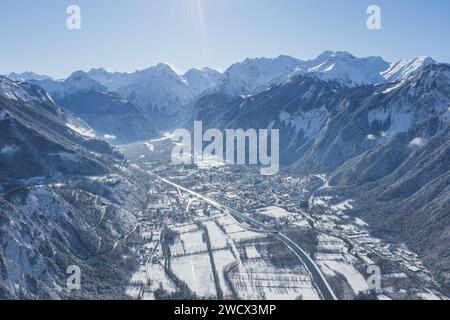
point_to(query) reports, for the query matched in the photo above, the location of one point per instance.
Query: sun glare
(193, 11)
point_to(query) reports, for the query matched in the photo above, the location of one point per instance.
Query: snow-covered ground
(193, 242)
(195, 270)
(236, 232)
(177, 248)
(217, 237)
(149, 146)
(222, 259)
(208, 162)
(334, 256)
(274, 212)
(182, 228)
(355, 279)
(84, 131)
(157, 279)
(252, 253)
(260, 280)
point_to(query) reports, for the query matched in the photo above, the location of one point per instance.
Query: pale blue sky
(125, 35)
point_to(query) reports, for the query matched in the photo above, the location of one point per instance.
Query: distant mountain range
(166, 98)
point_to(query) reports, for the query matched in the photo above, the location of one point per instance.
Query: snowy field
(331, 244)
(217, 237)
(246, 236)
(260, 280)
(177, 248)
(275, 212)
(193, 242)
(223, 258)
(252, 253)
(195, 270)
(355, 279)
(157, 279)
(236, 232)
(184, 228)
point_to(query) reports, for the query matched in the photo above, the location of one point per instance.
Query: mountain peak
(201, 79)
(403, 69)
(205, 70)
(80, 80)
(159, 70)
(164, 67)
(342, 55)
(97, 71)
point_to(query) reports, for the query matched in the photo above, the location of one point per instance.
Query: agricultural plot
(193, 242)
(218, 238)
(224, 259)
(259, 279)
(236, 232)
(195, 271)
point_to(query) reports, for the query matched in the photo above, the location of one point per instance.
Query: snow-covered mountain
(306, 106)
(81, 81)
(111, 80)
(352, 71)
(168, 98)
(200, 80)
(38, 139)
(347, 69)
(105, 111)
(65, 199)
(276, 80)
(403, 69)
(366, 117)
(254, 75)
(157, 90)
(379, 130)
(27, 76)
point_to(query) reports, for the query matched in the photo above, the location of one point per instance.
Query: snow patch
(309, 122)
(392, 88)
(417, 142)
(150, 146)
(109, 136)
(361, 222)
(403, 69)
(9, 149)
(400, 120)
(85, 132)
